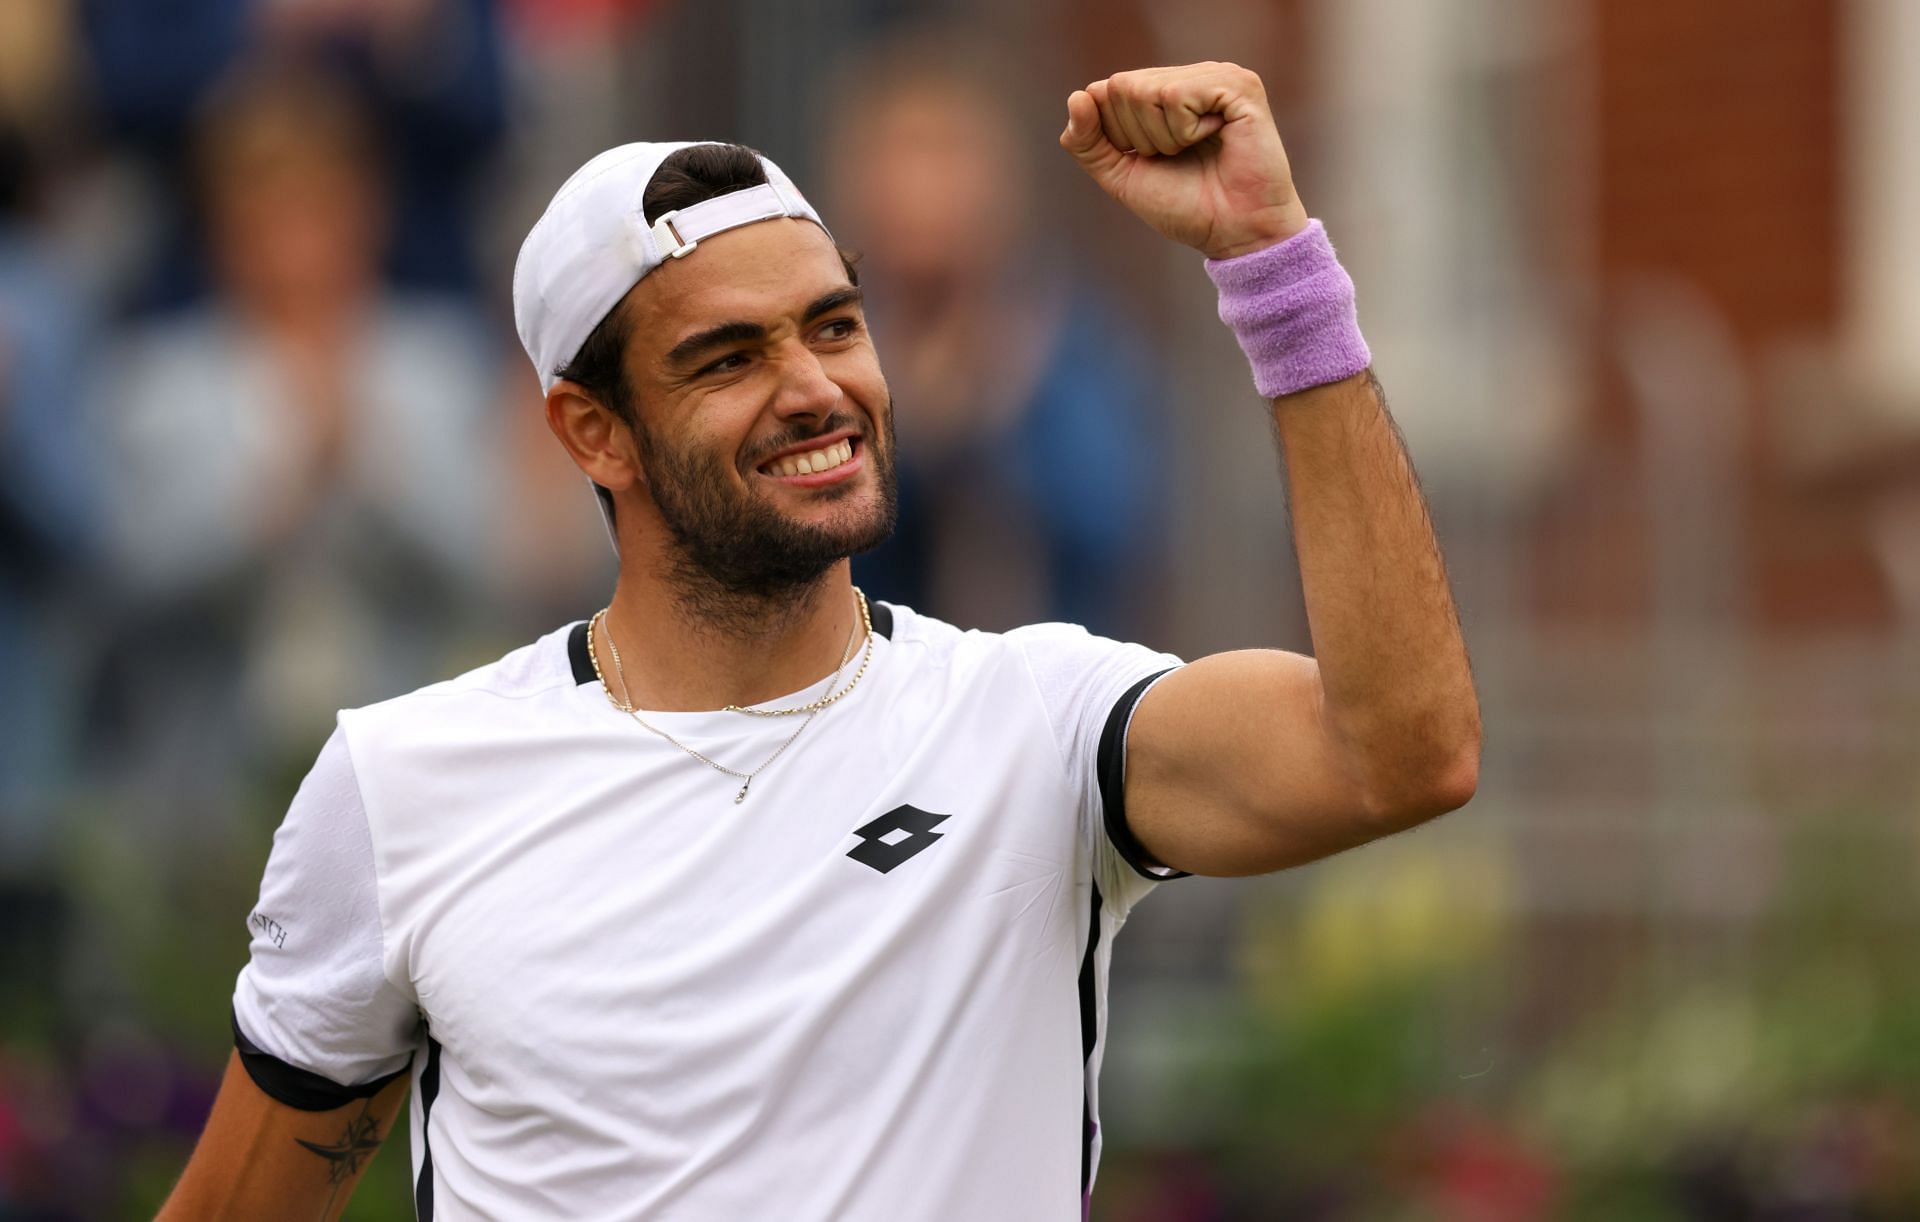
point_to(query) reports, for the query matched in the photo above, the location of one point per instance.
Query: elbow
(1454, 785)
(1416, 793)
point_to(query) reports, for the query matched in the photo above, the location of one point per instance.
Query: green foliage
(1411, 1061)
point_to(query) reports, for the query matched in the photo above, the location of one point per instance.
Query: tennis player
(746, 897)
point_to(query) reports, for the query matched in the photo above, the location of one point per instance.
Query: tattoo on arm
(348, 1154)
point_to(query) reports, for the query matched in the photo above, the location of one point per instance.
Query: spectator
(46, 507)
(431, 70)
(46, 501)
(1031, 484)
(262, 439)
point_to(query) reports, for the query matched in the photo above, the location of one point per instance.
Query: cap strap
(678, 232)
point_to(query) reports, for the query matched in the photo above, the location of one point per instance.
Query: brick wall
(1719, 161)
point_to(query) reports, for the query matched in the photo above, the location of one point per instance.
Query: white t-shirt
(874, 991)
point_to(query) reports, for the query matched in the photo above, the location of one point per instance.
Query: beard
(736, 555)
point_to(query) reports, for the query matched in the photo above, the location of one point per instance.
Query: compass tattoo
(347, 1155)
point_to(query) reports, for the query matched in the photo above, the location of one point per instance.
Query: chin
(860, 519)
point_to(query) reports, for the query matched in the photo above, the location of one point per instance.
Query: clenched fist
(1192, 151)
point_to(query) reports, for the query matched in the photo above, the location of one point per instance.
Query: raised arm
(1242, 763)
(260, 1158)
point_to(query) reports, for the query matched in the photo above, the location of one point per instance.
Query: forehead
(757, 273)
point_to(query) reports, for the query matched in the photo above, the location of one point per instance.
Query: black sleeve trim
(1089, 1036)
(1110, 766)
(429, 1091)
(579, 655)
(301, 1088)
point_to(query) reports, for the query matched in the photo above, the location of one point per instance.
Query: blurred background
(1643, 280)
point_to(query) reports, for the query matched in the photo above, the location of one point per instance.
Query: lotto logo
(895, 836)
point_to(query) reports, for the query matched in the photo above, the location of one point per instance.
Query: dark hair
(687, 177)
(269, 115)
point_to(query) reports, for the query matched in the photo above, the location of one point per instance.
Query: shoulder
(167, 348)
(414, 321)
(541, 668)
(906, 626)
(187, 333)
(432, 355)
(1052, 656)
(934, 642)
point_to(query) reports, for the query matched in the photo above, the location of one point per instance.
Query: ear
(598, 441)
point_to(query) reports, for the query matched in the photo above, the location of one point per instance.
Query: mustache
(834, 423)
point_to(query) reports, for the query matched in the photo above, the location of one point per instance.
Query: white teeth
(824, 459)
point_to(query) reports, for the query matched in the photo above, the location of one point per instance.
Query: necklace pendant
(742, 795)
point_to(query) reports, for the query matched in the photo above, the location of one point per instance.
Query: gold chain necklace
(811, 710)
(866, 656)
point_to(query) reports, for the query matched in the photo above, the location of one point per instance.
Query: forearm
(258, 1158)
(1398, 695)
(1242, 763)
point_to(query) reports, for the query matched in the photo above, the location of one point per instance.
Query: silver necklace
(812, 710)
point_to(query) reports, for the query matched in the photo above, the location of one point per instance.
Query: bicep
(260, 1158)
(1231, 769)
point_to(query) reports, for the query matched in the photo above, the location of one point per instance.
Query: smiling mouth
(813, 462)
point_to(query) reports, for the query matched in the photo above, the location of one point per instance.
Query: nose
(805, 391)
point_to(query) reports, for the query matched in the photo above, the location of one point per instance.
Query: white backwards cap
(593, 243)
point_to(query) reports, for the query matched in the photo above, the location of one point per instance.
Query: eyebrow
(829, 302)
(691, 348)
(699, 343)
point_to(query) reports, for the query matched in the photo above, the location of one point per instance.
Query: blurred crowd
(255, 465)
(269, 448)
(252, 395)
(267, 433)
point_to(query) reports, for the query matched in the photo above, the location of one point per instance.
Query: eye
(839, 328)
(730, 363)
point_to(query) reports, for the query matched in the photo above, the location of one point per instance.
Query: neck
(684, 650)
(322, 318)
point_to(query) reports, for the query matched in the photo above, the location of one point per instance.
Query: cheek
(857, 372)
(714, 427)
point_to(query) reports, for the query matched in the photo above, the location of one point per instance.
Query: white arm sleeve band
(1090, 685)
(314, 1007)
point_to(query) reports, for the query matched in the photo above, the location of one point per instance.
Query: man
(835, 949)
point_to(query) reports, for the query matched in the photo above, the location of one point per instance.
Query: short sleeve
(1090, 686)
(316, 1020)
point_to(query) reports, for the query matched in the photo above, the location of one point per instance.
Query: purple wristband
(1291, 308)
